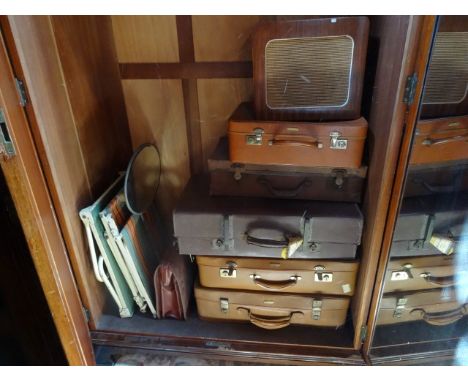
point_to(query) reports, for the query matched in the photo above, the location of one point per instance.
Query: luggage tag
(294, 243)
(444, 244)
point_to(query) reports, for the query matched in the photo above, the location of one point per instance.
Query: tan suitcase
(418, 273)
(273, 275)
(270, 310)
(436, 307)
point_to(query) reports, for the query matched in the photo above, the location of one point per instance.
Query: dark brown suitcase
(254, 227)
(310, 69)
(270, 310)
(435, 179)
(440, 140)
(288, 182)
(424, 219)
(436, 307)
(425, 272)
(308, 144)
(267, 275)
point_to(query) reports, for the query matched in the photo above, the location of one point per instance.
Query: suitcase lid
(434, 298)
(243, 121)
(199, 215)
(219, 160)
(270, 300)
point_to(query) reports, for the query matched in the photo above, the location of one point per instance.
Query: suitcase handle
(267, 243)
(284, 193)
(275, 284)
(269, 322)
(441, 141)
(442, 318)
(440, 281)
(292, 142)
(436, 189)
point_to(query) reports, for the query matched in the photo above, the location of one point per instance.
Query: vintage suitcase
(431, 225)
(440, 140)
(308, 144)
(254, 227)
(445, 90)
(436, 307)
(432, 179)
(291, 276)
(425, 272)
(288, 182)
(310, 69)
(270, 310)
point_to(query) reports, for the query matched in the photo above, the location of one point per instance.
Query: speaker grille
(308, 72)
(447, 77)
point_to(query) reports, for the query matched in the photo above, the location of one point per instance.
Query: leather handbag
(308, 144)
(440, 140)
(268, 275)
(270, 310)
(438, 307)
(283, 182)
(173, 280)
(259, 227)
(422, 273)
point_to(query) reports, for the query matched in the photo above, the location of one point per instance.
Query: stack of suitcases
(276, 227)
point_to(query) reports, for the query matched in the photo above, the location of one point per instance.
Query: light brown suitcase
(440, 140)
(269, 275)
(419, 273)
(310, 144)
(270, 310)
(436, 307)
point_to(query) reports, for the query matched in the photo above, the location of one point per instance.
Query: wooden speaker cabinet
(310, 69)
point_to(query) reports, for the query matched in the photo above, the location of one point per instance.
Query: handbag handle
(266, 243)
(269, 322)
(439, 281)
(275, 284)
(441, 141)
(442, 318)
(284, 193)
(296, 142)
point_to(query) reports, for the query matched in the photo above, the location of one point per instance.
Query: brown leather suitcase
(270, 310)
(260, 227)
(310, 69)
(424, 220)
(291, 276)
(288, 182)
(440, 140)
(308, 144)
(436, 307)
(421, 273)
(437, 178)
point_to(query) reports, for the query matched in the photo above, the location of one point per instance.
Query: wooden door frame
(27, 184)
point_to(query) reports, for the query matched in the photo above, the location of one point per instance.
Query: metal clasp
(316, 309)
(237, 171)
(400, 307)
(224, 305)
(256, 138)
(230, 271)
(321, 276)
(336, 142)
(404, 274)
(340, 174)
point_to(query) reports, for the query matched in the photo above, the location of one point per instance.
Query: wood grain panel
(218, 98)
(156, 114)
(145, 38)
(223, 38)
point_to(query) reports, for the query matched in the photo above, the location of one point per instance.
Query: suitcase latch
(224, 305)
(404, 274)
(321, 276)
(256, 138)
(237, 171)
(229, 271)
(339, 177)
(336, 142)
(400, 307)
(316, 309)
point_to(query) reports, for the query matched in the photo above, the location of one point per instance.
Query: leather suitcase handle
(441, 141)
(275, 284)
(295, 142)
(441, 318)
(269, 322)
(439, 281)
(267, 243)
(284, 193)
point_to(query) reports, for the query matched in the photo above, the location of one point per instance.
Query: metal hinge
(410, 89)
(363, 333)
(21, 92)
(7, 148)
